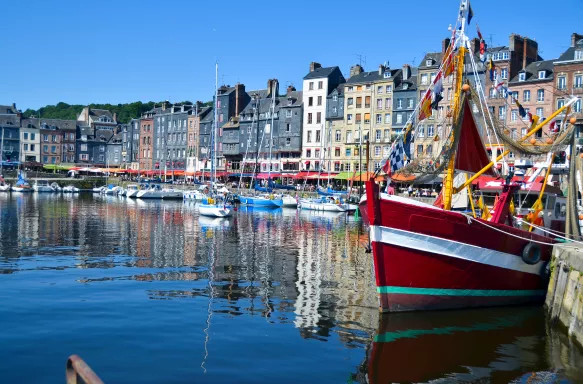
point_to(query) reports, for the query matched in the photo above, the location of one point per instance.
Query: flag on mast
(470, 13)
(425, 108)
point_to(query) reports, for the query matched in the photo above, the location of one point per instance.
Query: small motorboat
(132, 190)
(41, 186)
(98, 189)
(326, 204)
(212, 208)
(70, 189)
(4, 186)
(289, 201)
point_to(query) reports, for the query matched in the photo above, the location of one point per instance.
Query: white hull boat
(70, 189)
(194, 195)
(43, 186)
(214, 210)
(322, 206)
(98, 190)
(132, 191)
(22, 189)
(4, 188)
(289, 201)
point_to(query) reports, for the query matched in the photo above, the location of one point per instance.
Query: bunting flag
(483, 47)
(470, 13)
(437, 97)
(408, 139)
(521, 110)
(553, 127)
(425, 109)
(479, 33)
(397, 157)
(533, 121)
(491, 68)
(437, 90)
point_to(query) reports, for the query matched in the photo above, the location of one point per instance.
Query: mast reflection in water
(150, 292)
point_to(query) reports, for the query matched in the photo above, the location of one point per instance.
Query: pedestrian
(410, 191)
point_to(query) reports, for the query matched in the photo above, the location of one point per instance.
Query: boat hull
(426, 258)
(43, 189)
(322, 207)
(289, 202)
(5, 188)
(214, 211)
(261, 202)
(22, 189)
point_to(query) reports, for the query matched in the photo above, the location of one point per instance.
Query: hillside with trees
(125, 112)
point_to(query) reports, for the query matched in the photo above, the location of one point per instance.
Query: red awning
(266, 175)
(303, 174)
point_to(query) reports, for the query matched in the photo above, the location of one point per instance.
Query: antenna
(361, 61)
(491, 43)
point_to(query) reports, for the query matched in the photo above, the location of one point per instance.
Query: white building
(30, 140)
(316, 87)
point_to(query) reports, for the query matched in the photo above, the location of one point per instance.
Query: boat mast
(2, 152)
(329, 150)
(214, 133)
(459, 66)
(257, 143)
(272, 90)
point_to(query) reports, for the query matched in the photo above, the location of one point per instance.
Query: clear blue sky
(127, 50)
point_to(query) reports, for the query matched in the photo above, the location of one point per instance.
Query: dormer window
(542, 74)
(579, 54)
(405, 86)
(522, 76)
(429, 62)
(387, 74)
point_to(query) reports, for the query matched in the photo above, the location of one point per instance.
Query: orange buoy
(573, 120)
(580, 217)
(466, 87)
(581, 155)
(533, 141)
(549, 140)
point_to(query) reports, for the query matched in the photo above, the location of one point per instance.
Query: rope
(554, 233)
(507, 233)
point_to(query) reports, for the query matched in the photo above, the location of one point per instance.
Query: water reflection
(291, 290)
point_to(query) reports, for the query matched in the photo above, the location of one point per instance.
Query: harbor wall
(564, 301)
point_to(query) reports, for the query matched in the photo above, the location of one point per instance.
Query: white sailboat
(211, 207)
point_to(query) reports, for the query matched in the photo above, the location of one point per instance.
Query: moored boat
(21, 184)
(43, 186)
(4, 186)
(267, 201)
(132, 190)
(70, 189)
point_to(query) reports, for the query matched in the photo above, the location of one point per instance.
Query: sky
(121, 51)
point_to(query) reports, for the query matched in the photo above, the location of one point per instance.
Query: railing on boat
(78, 368)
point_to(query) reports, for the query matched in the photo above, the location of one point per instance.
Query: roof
(86, 131)
(364, 77)
(412, 82)
(339, 90)
(225, 90)
(58, 124)
(100, 112)
(296, 97)
(29, 123)
(435, 57)
(569, 54)
(320, 73)
(7, 109)
(532, 72)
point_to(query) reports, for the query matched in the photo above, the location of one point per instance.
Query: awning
(267, 175)
(57, 167)
(362, 176)
(343, 176)
(303, 175)
(402, 178)
(239, 174)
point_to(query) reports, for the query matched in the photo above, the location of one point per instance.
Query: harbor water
(149, 292)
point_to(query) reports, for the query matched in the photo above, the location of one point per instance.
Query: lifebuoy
(531, 254)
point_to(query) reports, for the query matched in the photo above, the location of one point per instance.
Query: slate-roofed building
(95, 128)
(30, 140)
(68, 147)
(317, 85)
(197, 113)
(568, 78)
(52, 132)
(131, 144)
(10, 132)
(404, 98)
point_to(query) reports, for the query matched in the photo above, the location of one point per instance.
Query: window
(409, 103)
(348, 151)
(25, 135)
(26, 147)
(349, 102)
(577, 83)
(379, 118)
(514, 115)
(318, 117)
(32, 147)
(287, 141)
(311, 86)
(502, 112)
(45, 159)
(310, 101)
(577, 106)
(388, 103)
(542, 74)
(539, 112)
(380, 89)
(359, 102)
(420, 149)
(335, 98)
(310, 118)
(540, 95)
(421, 131)
(492, 93)
(358, 118)
(53, 149)
(367, 102)
(399, 118)
(579, 54)
(288, 113)
(424, 79)
(387, 134)
(348, 136)
(334, 110)
(389, 89)
(83, 157)
(368, 86)
(387, 118)
(560, 103)
(526, 117)
(430, 131)
(319, 100)
(377, 150)
(359, 87)
(45, 137)
(561, 82)
(309, 139)
(378, 134)
(347, 167)
(338, 135)
(317, 135)
(399, 103)
(521, 76)
(350, 89)
(379, 103)
(288, 127)
(317, 153)
(349, 118)
(367, 118)
(504, 73)
(320, 84)
(526, 96)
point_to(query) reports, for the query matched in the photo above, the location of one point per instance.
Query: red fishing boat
(429, 257)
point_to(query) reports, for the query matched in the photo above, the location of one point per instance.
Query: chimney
(239, 98)
(199, 103)
(381, 69)
(182, 108)
(290, 88)
(314, 66)
(406, 72)
(115, 117)
(164, 105)
(575, 37)
(445, 44)
(86, 115)
(355, 70)
(524, 53)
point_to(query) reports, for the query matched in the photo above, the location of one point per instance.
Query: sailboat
(4, 187)
(21, 184)
(267, 200)
(211, 205)
(430, 257)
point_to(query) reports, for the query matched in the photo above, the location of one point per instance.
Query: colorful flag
(483, 47)
(425, 109)
(553, 127)
(479, 34)
(436, 99)
(408, 139)
(397, 157)
(470, 13)
(491, 68)
(521, 110)
(438, 88)
(533, 121)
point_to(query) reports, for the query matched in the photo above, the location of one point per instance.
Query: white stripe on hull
(458, 250)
